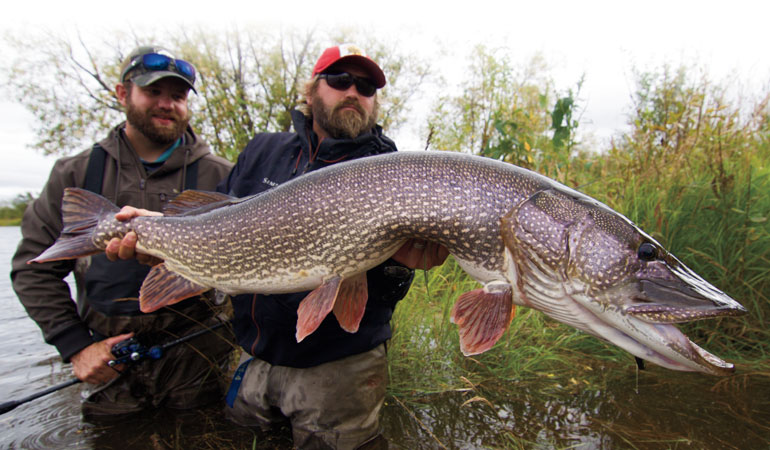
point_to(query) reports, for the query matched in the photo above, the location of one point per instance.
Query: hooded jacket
(265, 325)
(41, 287)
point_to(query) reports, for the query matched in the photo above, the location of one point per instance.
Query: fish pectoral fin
(163, 287)
(482, 316)
(351, 302)
(316, 306)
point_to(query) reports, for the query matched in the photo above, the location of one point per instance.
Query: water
(664, 410)
(29, 365)
(605, 408)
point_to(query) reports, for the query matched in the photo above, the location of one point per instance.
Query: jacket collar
(191, 149)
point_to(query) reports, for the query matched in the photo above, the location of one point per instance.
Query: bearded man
(331, 385)
(145, 161)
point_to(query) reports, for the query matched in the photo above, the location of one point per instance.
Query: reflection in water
(670, 409)
(604, 409)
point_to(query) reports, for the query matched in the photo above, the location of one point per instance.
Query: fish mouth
(643, 325)
(670, 302)
(687, 356)
(637, 316)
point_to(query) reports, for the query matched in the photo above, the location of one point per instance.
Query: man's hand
(90, 364)
(126, 248)
(420, 254)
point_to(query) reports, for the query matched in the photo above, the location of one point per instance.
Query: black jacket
(265, 325)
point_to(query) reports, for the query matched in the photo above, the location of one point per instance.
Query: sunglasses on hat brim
(153, 62)
(343, 81)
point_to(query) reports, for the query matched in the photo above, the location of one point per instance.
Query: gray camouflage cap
(148, 64)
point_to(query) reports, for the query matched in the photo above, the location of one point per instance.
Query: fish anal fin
(195, 201)
(351, 302)
(163, 287)
(316, 306)
(482, 316)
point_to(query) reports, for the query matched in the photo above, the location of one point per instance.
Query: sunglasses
(343, 81)
(153, 62)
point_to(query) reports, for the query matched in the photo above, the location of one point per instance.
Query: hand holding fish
(126, 248)
(420, 254)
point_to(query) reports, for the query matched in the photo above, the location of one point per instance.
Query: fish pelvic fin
(316, 306)
(81, 212)
(162, 287)
(192, 202)
(482, 316)
(351, 300)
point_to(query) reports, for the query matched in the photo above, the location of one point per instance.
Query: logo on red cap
(353, 54)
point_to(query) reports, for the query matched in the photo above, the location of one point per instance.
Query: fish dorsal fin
(163, 287)
(197, 202)
(316, 306)
(482, 316)
(351, 302)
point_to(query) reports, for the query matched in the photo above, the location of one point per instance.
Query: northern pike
(527, 239)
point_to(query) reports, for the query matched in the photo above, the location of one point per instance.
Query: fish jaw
(675, 295)
(645, 308)
(660, 343)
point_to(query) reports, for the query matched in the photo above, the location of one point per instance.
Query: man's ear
(121, 92)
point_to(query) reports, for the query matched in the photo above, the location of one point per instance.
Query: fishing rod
(8, 406)
(132, 351)
(129, 351)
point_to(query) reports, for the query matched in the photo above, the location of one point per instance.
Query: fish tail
(81, 212)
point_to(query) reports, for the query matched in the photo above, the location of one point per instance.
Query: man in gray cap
(331, 386)
(146, 160)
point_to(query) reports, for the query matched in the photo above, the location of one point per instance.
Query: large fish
(527, 239)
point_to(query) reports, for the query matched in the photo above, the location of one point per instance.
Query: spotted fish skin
(344, 220)
(527, 239)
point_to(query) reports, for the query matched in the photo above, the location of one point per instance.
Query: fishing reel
(133, 351)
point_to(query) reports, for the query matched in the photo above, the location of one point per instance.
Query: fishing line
(425, 274)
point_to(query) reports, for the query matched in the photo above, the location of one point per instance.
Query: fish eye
(647, 252)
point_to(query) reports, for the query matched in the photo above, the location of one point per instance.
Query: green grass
(425, 356)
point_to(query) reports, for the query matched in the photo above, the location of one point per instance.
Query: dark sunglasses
(153, 62)
(343, 81)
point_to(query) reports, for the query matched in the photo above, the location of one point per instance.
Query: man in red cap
(331, 385)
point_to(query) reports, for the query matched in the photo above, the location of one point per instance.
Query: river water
(654, 409)
(29, 365)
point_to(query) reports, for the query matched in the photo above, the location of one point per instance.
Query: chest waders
(105, 280)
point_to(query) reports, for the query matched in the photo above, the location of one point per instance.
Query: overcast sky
(601, 39)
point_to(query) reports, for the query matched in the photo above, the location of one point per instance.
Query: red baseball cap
(353, 54)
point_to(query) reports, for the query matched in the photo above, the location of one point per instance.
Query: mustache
(349, 102)
(165, 115)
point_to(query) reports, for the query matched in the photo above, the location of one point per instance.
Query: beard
(342, 123)
(161, 135)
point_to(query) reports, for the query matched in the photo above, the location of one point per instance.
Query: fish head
(584, 264)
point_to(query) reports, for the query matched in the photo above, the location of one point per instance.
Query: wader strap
(95, 170)
(235, 385)
(191, 177)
